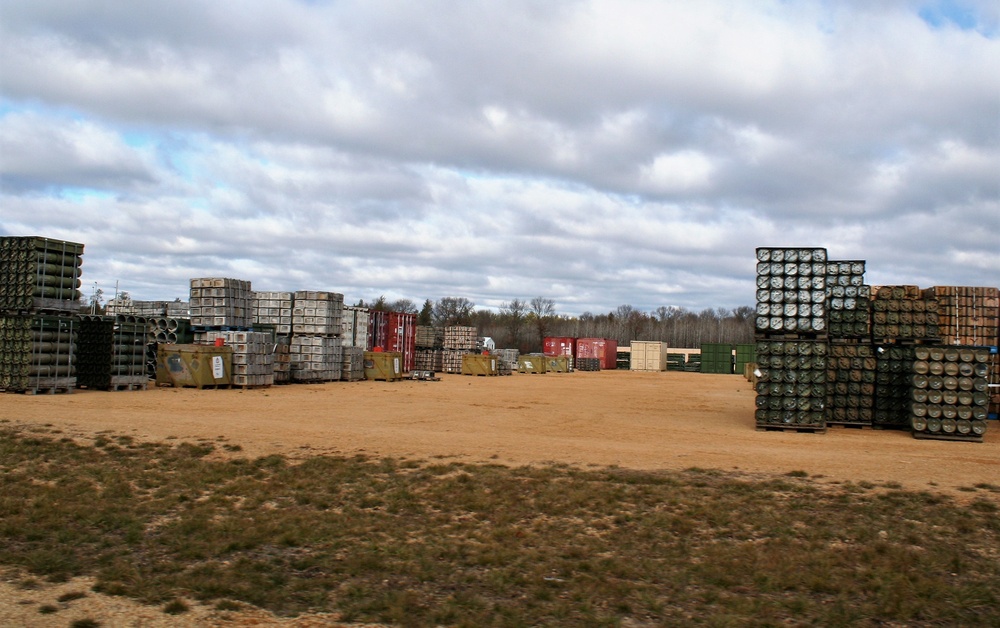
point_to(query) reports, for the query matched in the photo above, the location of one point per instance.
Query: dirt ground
(668, 420)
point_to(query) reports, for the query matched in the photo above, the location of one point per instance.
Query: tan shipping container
(648, 355)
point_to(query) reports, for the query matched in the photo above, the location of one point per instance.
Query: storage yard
(640, 420)
(830, 350)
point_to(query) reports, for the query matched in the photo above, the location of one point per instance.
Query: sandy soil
(670, 420)
(637, 420)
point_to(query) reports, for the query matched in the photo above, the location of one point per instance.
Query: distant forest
(522, 324)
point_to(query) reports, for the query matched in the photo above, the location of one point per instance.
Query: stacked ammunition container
(316, 348)
(353, 364)
(903, 313)
(282, 360)
(273, 308)
(39, 298)
(39, 275)
(791, 331)
(792, 385)
(507, 360)
(894, 369)
(849, 299)
(354, 324)
(791, 291)
(949, 395)
(111, 352)
(429, 343)
(253, 356)
(221, 304)
(852, 374)
(458, 341)
(588, 364)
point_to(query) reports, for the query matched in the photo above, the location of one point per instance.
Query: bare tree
(543, 310)
(449, 311)
(513, 315)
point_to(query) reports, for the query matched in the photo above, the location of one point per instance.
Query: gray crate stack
(39, 300)
(791, 291)
(274, 308)
(221, 304)
(316, 348)
(353, 365)
(253, 356)
(849, 299)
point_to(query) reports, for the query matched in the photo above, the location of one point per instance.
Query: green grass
(439, 542)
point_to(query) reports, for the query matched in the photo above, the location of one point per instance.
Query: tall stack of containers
(853, 365)
(560, 345)
(458, 341)
(717, 358)
(971, 316)
(315, 350)
(429, 343)
(604, 350)
(948, 398)
(792, 342)
(648, 355)
(111, 352)
(39, 298)
(901, 317)
(354, 338)
(507, 360)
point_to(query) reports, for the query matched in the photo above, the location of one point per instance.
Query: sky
(593, 152)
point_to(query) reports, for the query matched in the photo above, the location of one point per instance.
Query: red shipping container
(394, 331)
(559, 345)
(605, 349)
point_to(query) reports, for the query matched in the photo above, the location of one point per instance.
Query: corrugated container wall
(648, 355)
(559, 345)
(396, 332)
(604, 349)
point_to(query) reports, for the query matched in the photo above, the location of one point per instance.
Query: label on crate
(218, 367)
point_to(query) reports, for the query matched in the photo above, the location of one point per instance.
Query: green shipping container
(745, 354)
(717, 358)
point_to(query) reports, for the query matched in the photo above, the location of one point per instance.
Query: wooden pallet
(800, 429)
(951, 437)
(848, 425)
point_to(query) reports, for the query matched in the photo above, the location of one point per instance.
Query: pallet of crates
(458, 340)
(792, 341)
(949, 392)
(853, 369)
(353, 364)
(221, 304)
(316, 358)
(40, 275)
(252, 357)
(848, 300)
(903, 318)
(274, 308)
(508, 360)
(282, 360)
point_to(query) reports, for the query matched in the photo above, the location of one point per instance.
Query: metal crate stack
(40, 275)
(39, 300)
(316, 347)
(38, 353)
(792, 384)
(903, 313)
(848, 299)
(852, 374)
(791, 329)
(221, 304)
(282, 360)
(508, 360)
(949, 395)
(253, 356)
(274, 308)
(111, 352)
(791, 291)
(354, 324)
(588, 364)
(458, 340)
(894, 368)
(353, 366)
(429, 343)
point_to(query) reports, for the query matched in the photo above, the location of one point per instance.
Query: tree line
(523, 324)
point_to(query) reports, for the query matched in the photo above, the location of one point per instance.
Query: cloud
(594, 152)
